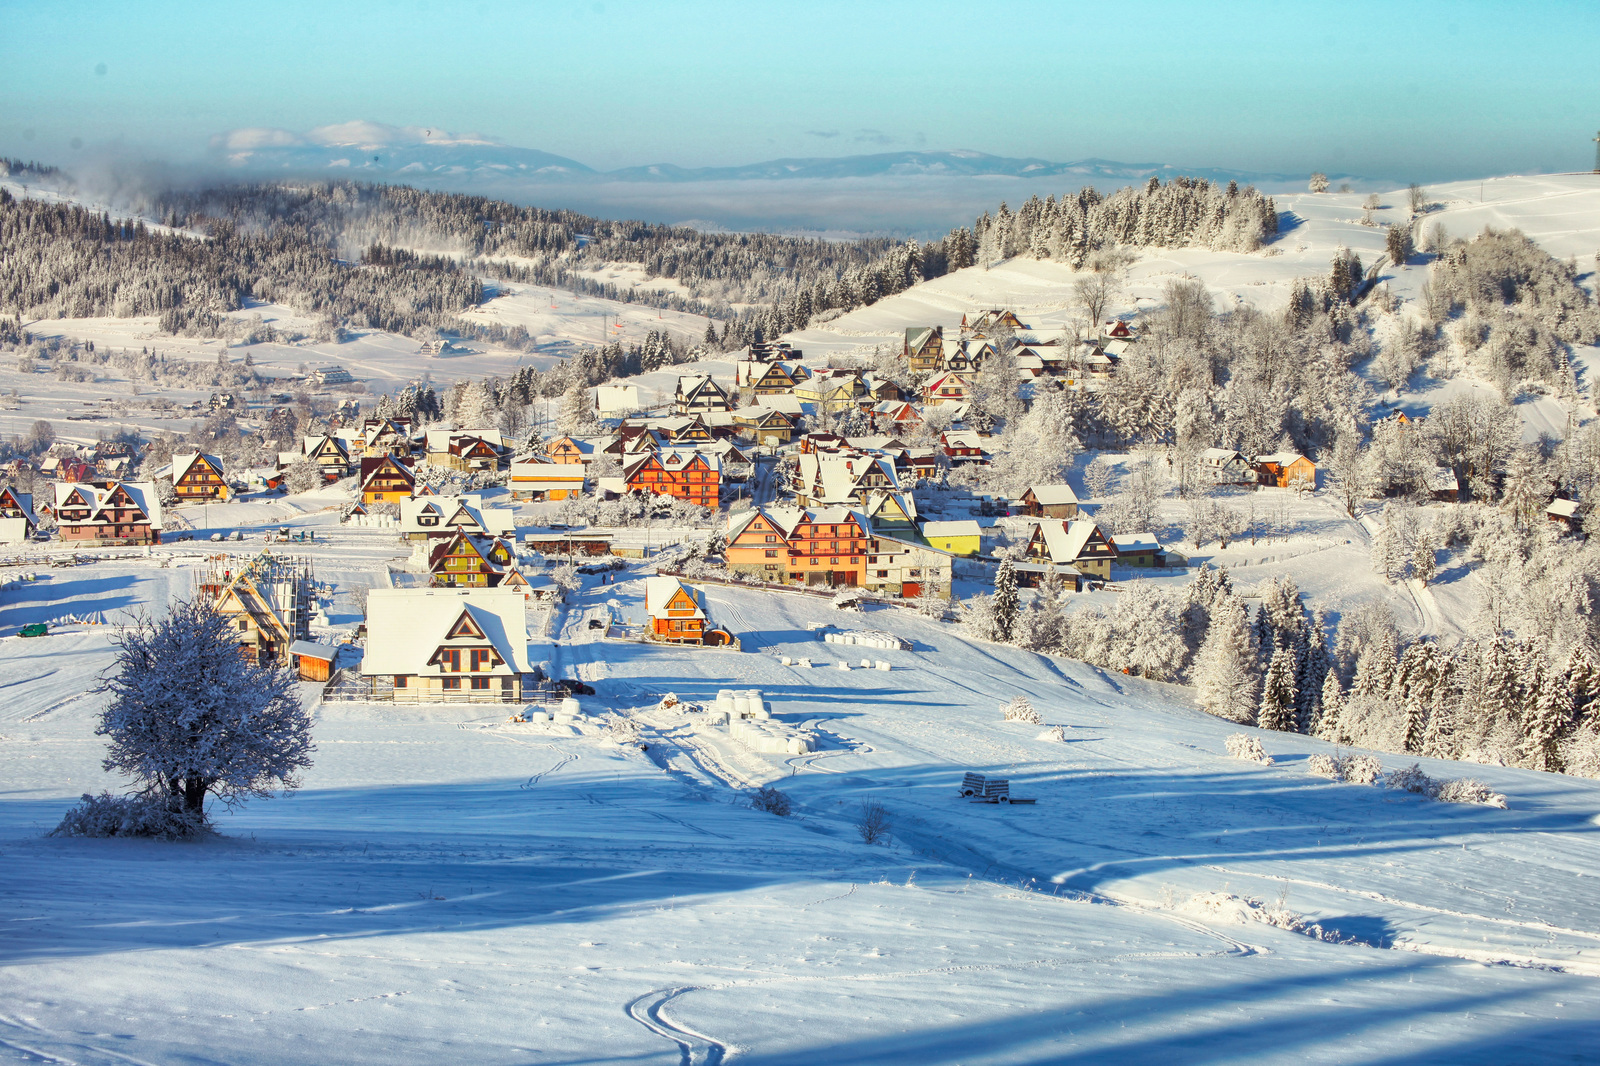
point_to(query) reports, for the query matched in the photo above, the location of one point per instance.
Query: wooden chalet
(568, 450)
(198, 477)
(1078, 543)
(121, 512)
(1050, 501)
(330, 455)
(1223, 466)
(699, 394)
(963, 446)
(1564, 513)
(18, 523)
(832, 390)
(1286, 470)
(678, 613)
(981, 323)
(467, 561)
(267, 599)
(480, 450)
(923, 349)
(686, 475)
(766, 379)
(947, 387)
(763, 425)
(386, 479)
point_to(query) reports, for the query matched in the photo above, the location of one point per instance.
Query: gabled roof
(1053, 495)
(660, 590)
(406, 626)
(1562, 508)
(1064, 540)
(966, 528)
(184, 462)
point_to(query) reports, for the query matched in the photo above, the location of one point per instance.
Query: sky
(1404, 90)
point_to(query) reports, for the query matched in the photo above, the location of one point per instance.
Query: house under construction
(268, 596)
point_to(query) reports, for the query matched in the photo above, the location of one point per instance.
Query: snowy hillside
(449, 886)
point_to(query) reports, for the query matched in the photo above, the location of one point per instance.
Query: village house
(429, 517)
(968, 356)
(388, 436)
(1443, 486)
(442, 645)
(766, 379)
(266, 599)
(17, 520)
(681, 473)
(767, 351)
(1137, 549)
(894, 415)
(698, 394)
(947, 387)
(197, 476)
(616, 401)
(329, 454)
(832, 390)
(546, 480)
(957, 538)
(480, 449)
(824, 479)
(923, 349)
(1564, 513)
(313, 661)
(1050, 501)
(829, 546)
(763, 425)
(1286, 470)
(121, 512)
(567, 449)
(1222, 466)
(1076, 543)
(465, 560)
(982, 323)
(386, 479)
(963, 446)
(902, 567)
(678, 615)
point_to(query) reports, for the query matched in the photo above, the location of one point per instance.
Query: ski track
(696, 1049)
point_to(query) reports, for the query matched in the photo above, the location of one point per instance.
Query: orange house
(198, 476)
(761, 548)
(1285, 470)
(676, 612)
(692, 476)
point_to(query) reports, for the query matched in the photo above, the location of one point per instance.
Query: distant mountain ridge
(376, 151)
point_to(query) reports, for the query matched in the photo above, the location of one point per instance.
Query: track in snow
(697, 1049)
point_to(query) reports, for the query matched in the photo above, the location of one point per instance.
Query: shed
(313, 660)
(957, 538)
(1050, 501)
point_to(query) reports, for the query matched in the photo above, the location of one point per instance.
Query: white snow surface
(449, 886)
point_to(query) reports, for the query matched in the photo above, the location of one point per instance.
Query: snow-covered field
(451, 887)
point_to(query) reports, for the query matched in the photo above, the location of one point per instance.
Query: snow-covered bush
(1241, 746)
(772, 801)
(1410, 779)
(1360, 769)
(1055, 732)
(566, 578)
(1469, 790)
(106, 815)
(1020, 710)
(1324, 766)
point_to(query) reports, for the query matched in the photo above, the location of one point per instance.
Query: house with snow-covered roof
(447, 644)
(197, 476)
(1050, 501)
(1077, 543)
(429, 517)
(121, 512)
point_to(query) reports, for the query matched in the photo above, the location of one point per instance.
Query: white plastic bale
(799, 745)
(866, 664)
(741, 705)
(571, 706)
(844, 666)
(786, 661)
(882, 665)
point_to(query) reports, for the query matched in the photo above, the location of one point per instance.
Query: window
(244, 624)
(771, 539)
(452, 682)
(772, 553)
(400, 680)
(480, 682)
(450, 660)
(480, 658)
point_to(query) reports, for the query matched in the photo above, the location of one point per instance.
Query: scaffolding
(270, 595)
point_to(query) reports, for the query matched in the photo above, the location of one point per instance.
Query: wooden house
(923, 348)
(198, 477)
(1050, 501)
(547, 480)
(767, 379)
(1223, 466)
(120, 512)
(1443, 485)
(687, 475)
(947, 387)
(1564, 513)
(982, 323)
(758, 544)
(266, 598)
(330, 454)
(386, 479)
(17, 520)
(699, 394)
(1078, 543)
(832, 390)
(444, 645)
(764, 425)
(1137, 549)
(678, 613)
(432, 517)
(961, 446)
(463, 560)
(957, 538)
(1286, 470)
(894, 415)
(483, 450)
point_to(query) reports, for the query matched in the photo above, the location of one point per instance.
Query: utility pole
(1597, 153)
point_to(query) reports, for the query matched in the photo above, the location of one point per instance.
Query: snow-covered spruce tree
(1328, 727)
(1277, 709)
(1547, 715)
(1006, 601)
(1225, 674)
(189, 716)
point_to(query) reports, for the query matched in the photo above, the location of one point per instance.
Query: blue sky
(1423, 90)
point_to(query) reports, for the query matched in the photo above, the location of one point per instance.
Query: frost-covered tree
(1328, 727)
(1225, 671)
(190, 717)
(1097, 477)
(1548, 715)
(1277, 710)
(1319, 182)
(1006, 601)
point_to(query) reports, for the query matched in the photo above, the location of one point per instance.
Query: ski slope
(452, 887)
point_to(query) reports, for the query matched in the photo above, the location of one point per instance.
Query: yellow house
(957, 538)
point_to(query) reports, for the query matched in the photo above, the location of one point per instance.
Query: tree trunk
(194, 795)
